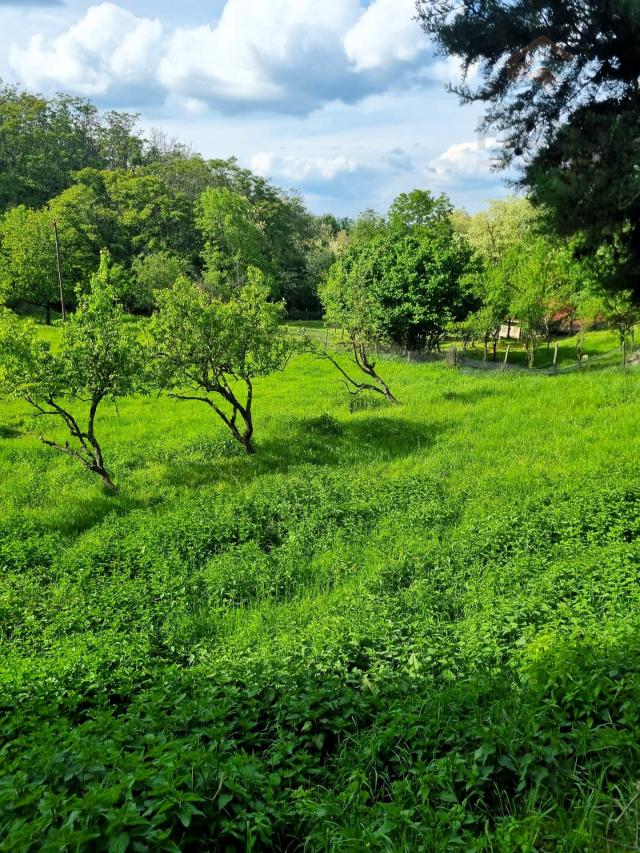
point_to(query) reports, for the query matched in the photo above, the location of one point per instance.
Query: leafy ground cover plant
(406, 628)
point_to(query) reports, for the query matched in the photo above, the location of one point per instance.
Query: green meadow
(393, 628)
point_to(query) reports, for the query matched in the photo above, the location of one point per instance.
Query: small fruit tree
(100, 357)
(210, 344)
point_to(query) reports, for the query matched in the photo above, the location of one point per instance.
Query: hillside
(409, 628)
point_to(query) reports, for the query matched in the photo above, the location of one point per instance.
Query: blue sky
(341, 99)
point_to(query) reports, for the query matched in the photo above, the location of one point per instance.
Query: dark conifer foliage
(560, 79)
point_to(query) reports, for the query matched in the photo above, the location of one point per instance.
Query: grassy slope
(410, 628)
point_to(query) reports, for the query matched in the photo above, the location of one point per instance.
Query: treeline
(426, 273)
(419, 274)
(154, 204)
(44, 141)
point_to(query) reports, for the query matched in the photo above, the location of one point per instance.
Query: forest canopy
(62, 160)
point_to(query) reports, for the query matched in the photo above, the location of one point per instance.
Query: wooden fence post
(55, 231)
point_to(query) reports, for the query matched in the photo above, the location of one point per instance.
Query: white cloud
(471, 160)
(385, 34)
(294, 168)
(282, 53)
(286, 56)
(106, 48)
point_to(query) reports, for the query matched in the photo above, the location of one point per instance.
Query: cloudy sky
(342, 99)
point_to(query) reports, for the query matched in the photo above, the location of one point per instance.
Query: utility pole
(55, 231)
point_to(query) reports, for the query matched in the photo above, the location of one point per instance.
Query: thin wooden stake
(55, 231)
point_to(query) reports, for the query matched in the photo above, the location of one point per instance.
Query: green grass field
(409, 628)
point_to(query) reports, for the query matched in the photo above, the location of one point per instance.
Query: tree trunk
(368, 368)
(246, 438)
(247, 417)
(387, 392)
(108, 483)
(48, 310)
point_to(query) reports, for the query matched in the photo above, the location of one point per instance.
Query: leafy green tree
(618, 309)
(119, 142)
(289, 232)
(351, 304)
(523, 275)
(234, 239)
(290, 236)
(28, 266)
(99, 358)
(44, 141)
(210, 346)
(560, 83)
(184, 172)
(419, 209)
(152, 272)
(484, 325)
(151, 216)
(366, 226)
(28, 271)
(332, 225)
(622, 313)
(420, 282)
(319, 261)
(496, 235)
(86, 227)
(543, 278)
(412, 268)
(288, 229)
(493, 285)
(138, 213)
(330, 238)
(123, 211)
(504, 224)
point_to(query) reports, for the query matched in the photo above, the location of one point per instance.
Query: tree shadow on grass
(9, 432)
(84, 513)
(322, 441)
(13, 429)
(471, 395)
